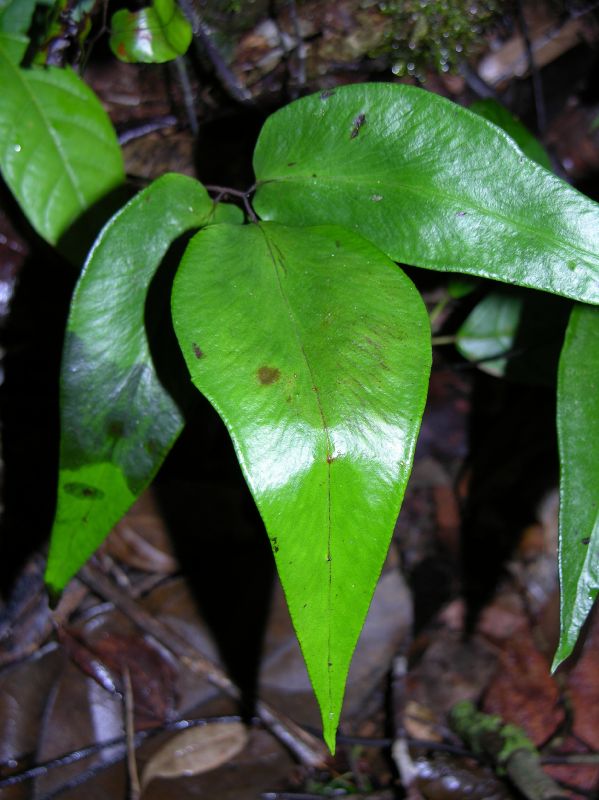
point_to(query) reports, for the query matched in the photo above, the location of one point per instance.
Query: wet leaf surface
(40, 157)
(321, 452)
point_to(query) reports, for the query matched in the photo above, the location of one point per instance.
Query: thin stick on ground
(308, 750)
(134, 787)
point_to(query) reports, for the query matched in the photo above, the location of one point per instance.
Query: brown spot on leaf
(116, 429)
(268, 375)
(292, 163)
(357, 124)
(82, 490)
(197, 351)
(586, 540)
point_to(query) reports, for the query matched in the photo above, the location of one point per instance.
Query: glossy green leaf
(58, 150)
(432, 184)
(118, 422)
(504, 119)
(315, 350)
(578, 432)
(489, 330)
(154, 35)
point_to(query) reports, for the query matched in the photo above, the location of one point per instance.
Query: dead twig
(306, 748)
(134, 787)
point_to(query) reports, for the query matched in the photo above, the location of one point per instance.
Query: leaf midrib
(589, 255)
(45, 122)
(329, 449)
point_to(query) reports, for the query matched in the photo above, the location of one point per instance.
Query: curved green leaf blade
(118, 422)
(315, 350)
(58, 150)
(504, 119)
(578, 433)
(431, 184)
(489, 330)
(153, 35)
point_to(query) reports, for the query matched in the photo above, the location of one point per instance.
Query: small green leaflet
(117, 420)
(153, 35)
(315, 350)
(578, 433)
(58, 150)
(525, 328)
(489, 330)
(430, 183)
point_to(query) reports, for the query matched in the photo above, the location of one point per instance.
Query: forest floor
(177, 632)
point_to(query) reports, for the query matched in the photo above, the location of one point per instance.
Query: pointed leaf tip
(321, 380)
(578, 434)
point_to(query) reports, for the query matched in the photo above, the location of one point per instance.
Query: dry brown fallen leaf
(196, 750)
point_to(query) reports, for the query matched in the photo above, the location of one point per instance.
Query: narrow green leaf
(578, 432)
(315, 350)
(489, 330)
(118, 421)
(432, 184)
(504, 119)
(154, 35)
(58, 150)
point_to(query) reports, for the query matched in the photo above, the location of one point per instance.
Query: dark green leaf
(500, 116)
(118, 421)
(58, 150)
(15, 15)
(458, 287)
(431, 184)
(155, 34)
(578, 432)
(315, 350)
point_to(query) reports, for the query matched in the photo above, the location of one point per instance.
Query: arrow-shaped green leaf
(117, 420)
(431, 184)
(315, 350)
(578, 432)
(58, 150)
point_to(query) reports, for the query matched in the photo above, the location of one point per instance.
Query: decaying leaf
(196, 750)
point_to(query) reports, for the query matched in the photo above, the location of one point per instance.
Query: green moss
(436, 34)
